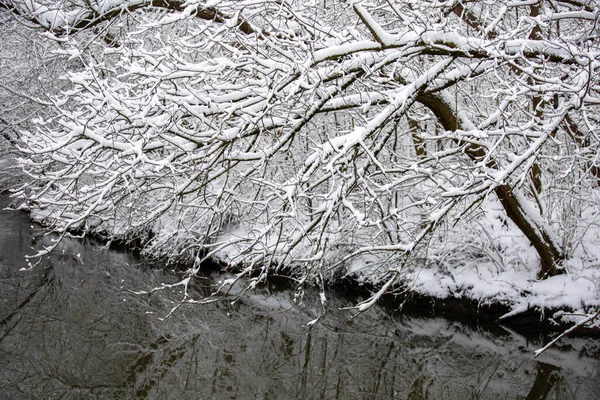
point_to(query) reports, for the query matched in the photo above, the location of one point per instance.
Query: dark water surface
(71, 329)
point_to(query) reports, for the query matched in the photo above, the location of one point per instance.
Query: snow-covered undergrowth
(10, 172)
(491, 262)
(484, 258)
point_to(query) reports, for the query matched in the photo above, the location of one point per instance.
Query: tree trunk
(549, 253)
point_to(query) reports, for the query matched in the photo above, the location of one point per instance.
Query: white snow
(263, 150)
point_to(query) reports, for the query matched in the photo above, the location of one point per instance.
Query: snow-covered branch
(66, 18)
(339, 141)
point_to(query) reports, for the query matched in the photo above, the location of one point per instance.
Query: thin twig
(571, 329)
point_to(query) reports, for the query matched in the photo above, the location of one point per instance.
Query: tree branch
(63, 23)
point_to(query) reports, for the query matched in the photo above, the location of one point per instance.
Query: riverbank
(515, 299)
(74, 327)
(475, 312)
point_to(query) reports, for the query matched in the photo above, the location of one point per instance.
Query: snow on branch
(61, 18)
(346, 141)
(583, 322)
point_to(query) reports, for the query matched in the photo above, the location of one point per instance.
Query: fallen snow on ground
(492, 262)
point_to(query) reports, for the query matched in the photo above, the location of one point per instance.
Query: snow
(513, 283)
(230, 153)
(345, 49)
(520, 289)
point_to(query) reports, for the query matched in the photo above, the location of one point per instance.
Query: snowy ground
(492, 262)
(485, 258)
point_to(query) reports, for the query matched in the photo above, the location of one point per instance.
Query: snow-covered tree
(318, 138)
(27, 69)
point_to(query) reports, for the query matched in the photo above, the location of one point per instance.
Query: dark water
(72, 329)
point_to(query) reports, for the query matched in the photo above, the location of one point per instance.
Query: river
(72, 328)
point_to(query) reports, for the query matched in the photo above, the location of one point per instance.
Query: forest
(447, 148)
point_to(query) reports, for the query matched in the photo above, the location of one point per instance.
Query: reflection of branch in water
(382, 367)
(547, 377)
(146, 360)
(47, 278)
(418, 389)
(305, 366)
(92, 390)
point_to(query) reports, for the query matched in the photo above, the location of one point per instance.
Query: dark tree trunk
(418, 141)
(550, 255)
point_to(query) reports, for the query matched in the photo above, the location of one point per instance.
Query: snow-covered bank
(481, 268)
(486, 269)
(467, 284)
(555, 302)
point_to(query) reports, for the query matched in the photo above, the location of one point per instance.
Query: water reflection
(71, 329)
